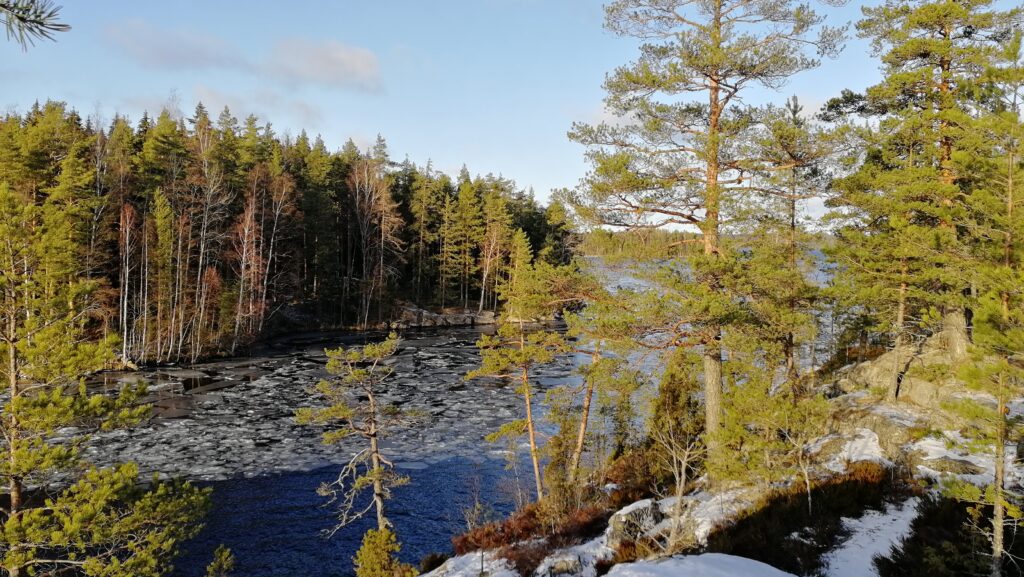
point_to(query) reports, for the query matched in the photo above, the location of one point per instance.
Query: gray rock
(953, 466)
(566, 566)
(633, 522)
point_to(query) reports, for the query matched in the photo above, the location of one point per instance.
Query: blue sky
(494, 84)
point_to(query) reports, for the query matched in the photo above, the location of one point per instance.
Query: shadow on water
(273, 523)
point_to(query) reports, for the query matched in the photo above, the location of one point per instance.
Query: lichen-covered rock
(633, 521)
(894, 424)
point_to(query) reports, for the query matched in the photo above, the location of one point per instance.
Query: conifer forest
(759, 325)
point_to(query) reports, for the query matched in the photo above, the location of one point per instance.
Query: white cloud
(328, 63)
(173, 49)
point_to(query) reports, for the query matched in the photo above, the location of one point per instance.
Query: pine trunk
(14, 485)
(712, 355)
(378, 468)
(577, 453)
(530, 429)
(998, 512)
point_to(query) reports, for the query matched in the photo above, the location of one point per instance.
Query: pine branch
(29, 20)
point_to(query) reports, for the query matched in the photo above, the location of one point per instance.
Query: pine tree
(516, 349)
(468, 231)
(899, 247)
(497, 231)
(684, 162)
(448, 265)
(363, 372)
(778, 256)
(425, 207)
(768, 435)
(29, 20)
(993, 370)
(223, 563)
(377, 557)
(64, 513)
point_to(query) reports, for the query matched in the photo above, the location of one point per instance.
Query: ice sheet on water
(249, 428)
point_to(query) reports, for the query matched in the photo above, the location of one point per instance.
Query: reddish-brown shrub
(526, 557)
(520, 526)
(634, 476)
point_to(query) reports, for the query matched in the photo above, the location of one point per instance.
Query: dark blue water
(273, 523)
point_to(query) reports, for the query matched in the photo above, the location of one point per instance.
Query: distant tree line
(198, 230)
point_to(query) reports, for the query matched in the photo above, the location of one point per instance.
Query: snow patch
(952, 445)
(476, 564)
(634, 506)
(706, 565)
(863, 447)
(874, 533)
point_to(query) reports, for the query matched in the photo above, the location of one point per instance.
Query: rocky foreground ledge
(910, 436)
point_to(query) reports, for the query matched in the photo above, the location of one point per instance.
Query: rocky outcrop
(923, 371)
(414, 317)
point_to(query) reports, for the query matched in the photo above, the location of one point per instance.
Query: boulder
(633, 522)
(953, 465)
(565, 566)
(894, 424)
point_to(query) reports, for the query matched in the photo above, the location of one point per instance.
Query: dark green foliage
(198, 230)
(944, 541)
(783, 534)
(26, 21)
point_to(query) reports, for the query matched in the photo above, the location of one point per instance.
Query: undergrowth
(784, 534)
(944, 542)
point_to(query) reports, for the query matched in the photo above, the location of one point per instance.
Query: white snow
(710, 511)
(863, 447)
(952, 445)
(634, 506)
(476, 564)
(706, 565)
(702, 511)
(872, 534)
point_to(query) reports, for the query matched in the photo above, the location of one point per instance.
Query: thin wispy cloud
(329, 63)
(173, 49)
